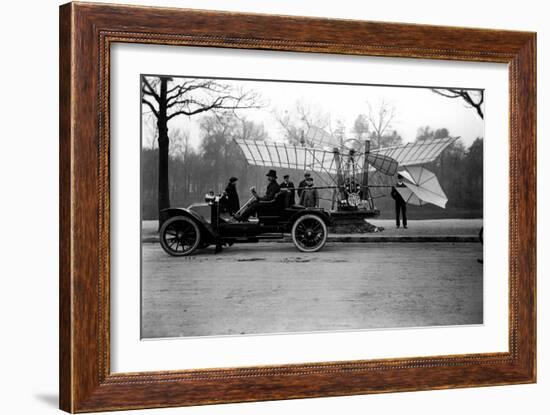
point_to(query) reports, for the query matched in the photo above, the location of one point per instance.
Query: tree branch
(465, 95)
(208, 108)
(219, 103)
(149, 90)
(144, 101)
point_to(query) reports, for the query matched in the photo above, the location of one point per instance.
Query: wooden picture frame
(86, 33)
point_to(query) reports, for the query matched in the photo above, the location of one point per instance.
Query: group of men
(307, 194)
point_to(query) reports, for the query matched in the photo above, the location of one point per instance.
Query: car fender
(313, 211)
(204, 226)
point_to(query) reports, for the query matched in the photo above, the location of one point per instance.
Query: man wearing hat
(400, 204)
(233, 204)
(287, 184)
(303, 184)
(310, 195)
(272, 189)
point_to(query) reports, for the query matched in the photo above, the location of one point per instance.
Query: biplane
(344, 168)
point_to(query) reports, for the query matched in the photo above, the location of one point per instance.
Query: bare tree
(312, 117)
(249, 130)
(298, 120)
(379, 119)
(179, 145)
(166, 98)
(473, 98)
(150, 131)
(338, 131)
(361, 127)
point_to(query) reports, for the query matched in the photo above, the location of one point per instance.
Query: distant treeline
(192, 173)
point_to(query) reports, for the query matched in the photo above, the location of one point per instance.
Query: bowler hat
(272, 173)
(286, 176)
(307, 174)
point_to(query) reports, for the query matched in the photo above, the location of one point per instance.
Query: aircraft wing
(382, 163)
(418, 152)
(273, 154)
(422, 187)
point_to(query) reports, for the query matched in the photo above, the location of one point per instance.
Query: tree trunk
(164, 146)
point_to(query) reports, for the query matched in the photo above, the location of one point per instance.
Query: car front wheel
(309, 233)
(180, 236)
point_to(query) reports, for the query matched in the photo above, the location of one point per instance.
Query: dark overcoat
(396, 195)
(301, 186)
(289, 186)
(309, 198)
(272, 189)
(233, 204)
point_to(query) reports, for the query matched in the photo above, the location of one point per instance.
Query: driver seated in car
(272, 189)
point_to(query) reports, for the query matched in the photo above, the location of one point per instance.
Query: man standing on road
(303, 184)
(400, 205)
(287, 184)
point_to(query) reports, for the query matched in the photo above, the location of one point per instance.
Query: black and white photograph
(287, 206)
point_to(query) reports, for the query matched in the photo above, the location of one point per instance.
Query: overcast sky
(414, 108)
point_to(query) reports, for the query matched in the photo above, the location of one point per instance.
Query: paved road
(273, 288)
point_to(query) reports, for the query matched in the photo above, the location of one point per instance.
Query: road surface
(273, 288)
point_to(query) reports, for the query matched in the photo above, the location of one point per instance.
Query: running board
(254, 239)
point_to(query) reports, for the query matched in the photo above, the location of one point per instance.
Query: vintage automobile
(184, 230)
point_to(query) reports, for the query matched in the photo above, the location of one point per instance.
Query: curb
(371, 239)
(431, 238)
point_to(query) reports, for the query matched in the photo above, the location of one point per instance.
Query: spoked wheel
(180, 236)
(309, 233)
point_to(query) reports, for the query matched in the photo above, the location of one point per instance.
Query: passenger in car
(310, 195)
(287, 184)
(272, 189)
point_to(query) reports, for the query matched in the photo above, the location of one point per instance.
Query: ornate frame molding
(86, 34)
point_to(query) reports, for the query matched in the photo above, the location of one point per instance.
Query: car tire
(309, 233)
(180, 236)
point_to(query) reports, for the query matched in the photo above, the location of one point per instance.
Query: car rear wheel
(180, 236)
(309, 233)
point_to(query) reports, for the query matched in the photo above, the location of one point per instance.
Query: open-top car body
(184, 230)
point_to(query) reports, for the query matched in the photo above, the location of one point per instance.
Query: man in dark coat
(287, 184)
(310, 196)
(400, 204)
(272, 189)
(233, 204)
(303, 184)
